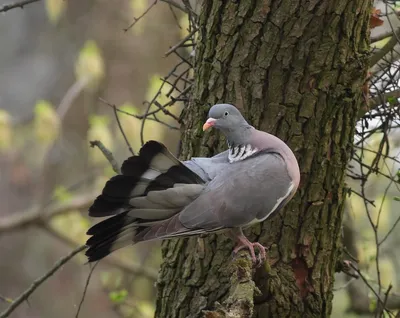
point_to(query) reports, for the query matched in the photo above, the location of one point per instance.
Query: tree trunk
(295, 69)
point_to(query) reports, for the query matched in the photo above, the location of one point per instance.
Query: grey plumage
(158, 197)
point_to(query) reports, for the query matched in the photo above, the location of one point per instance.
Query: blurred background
(57, 58)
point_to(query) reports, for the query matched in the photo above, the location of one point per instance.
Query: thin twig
(386, 49)
(141, 117)
(122, 130)
(14, 5)
(6, 299)
(390, 231)
(369, 286)
(130, 268)
(174, 16)
(180, 43)
(136, 20)
(344, 286)
(176, 5)
(108, 154)
(85, 289)
(25, 295)
(379, 313)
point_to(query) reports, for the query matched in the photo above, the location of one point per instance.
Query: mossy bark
(296, 69)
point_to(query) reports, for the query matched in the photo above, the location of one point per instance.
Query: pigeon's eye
(226, 114)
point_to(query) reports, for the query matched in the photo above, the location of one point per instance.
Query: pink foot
(245, 243)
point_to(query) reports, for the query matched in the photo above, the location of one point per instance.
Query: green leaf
(396, 198)
(55, 9)
(129, 108)
(155, 83)
(146, 309)
(90, 64)
(98, 121)
(62, 194)
(118, 296)
(5, 130)
(99, 130)
(372, 304)
(46, 122)
(392, 100)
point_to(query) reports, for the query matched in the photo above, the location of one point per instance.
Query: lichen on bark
(295, 68)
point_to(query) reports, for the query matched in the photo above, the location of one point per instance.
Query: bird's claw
(262, 255)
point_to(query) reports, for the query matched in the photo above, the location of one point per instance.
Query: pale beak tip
(209, 123)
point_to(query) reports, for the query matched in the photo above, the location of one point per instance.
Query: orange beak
(209, 123)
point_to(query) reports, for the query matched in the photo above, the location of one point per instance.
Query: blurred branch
(375, 58)
(14, 5)
(36, 216)
(382, 98)
(72, 93)
(127, 267)
(391, 302)
(107, 153)
(360, 300)
(25, 295)
(381, 36)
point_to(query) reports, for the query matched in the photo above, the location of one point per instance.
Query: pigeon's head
(224, 117)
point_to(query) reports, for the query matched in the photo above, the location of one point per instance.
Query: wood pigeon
(159, 197)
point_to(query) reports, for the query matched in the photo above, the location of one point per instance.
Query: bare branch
(127, 267)
(37, 216)
(107, 153)
(141, 117)
(181, 42)
(122, 130)
(14, 5)
(390, 231)
(176, 5)
(378, 297)
(382, 98)
(381, 36)
(85, 289)
(136, 20)
(386, 48)
(25, 295)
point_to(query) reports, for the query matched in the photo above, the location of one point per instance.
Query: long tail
(143, 201)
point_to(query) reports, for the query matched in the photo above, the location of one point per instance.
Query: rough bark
(295, 68)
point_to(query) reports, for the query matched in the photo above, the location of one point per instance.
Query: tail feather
(153, 188)
(132, 232)
(153, 169)
(109, 225)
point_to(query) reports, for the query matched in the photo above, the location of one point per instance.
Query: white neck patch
(240, 152)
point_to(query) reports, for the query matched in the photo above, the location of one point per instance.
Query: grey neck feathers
(239, 143)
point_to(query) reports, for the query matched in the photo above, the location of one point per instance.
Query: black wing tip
(137, 165)
(110, 225)
(94, 254)
(150, 149)
(104, 206)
